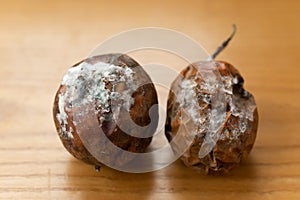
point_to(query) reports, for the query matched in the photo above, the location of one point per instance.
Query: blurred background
(40, 40)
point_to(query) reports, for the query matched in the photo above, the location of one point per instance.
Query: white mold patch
(205, 97)
(88, 83)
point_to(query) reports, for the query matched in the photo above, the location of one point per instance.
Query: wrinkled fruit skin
(238, 132)
(115, 77)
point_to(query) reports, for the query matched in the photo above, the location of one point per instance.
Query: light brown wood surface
(39, 40)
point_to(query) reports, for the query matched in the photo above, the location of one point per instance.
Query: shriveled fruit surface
(111, 94)
(208, 105)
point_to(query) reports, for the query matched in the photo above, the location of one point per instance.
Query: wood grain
(39, 40)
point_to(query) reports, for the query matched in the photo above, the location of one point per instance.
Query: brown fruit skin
(145, 97)
(228, 152)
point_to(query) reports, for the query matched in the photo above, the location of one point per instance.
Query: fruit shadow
(241, 183)
(107, 183)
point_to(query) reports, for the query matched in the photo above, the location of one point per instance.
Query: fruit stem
(223, 45)
(97, 168)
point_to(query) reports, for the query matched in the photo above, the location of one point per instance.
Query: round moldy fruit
(219, 151)
(100, 84)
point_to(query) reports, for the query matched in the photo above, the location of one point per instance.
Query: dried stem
(224, 44)
(97, 168)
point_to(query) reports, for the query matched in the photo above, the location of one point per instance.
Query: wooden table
(39, 40)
